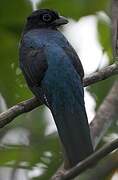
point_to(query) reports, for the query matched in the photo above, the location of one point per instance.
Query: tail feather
(66, 102)
(73, 130)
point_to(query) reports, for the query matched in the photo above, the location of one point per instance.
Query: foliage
(41, 148)
(75, 8)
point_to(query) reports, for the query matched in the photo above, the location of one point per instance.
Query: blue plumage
(54, 74)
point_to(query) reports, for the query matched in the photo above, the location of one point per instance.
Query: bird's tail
(71, 120)
(66, 102)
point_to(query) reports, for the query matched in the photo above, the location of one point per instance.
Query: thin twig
(90, 161)
(28, 105)
(114, 27)
(23, 107)
(101, 75)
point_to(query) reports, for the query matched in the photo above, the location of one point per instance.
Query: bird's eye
(47, 17)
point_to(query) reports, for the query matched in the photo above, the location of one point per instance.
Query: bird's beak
(62, 20)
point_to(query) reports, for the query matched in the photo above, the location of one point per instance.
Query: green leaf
(12, 17)
(12, 85)
(100, 90)
(74, 8)
(104, 36)
(13, 13)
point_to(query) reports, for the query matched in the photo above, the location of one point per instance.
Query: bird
(54, 74)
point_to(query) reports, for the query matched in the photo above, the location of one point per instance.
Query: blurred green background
(26, 150)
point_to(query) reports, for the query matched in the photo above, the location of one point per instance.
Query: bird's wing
(74, 59)
(33, 65)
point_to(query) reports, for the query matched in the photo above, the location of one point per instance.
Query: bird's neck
(32, 26)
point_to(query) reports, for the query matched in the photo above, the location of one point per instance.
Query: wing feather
(71, 53)
(33, 65)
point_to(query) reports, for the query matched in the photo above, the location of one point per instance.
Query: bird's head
(45, 18)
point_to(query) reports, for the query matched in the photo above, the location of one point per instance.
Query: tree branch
(23, 107)
(28, 105)
(101, 75)
(90, 161)
(102, 169)
(106, 114)
(114, 27)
